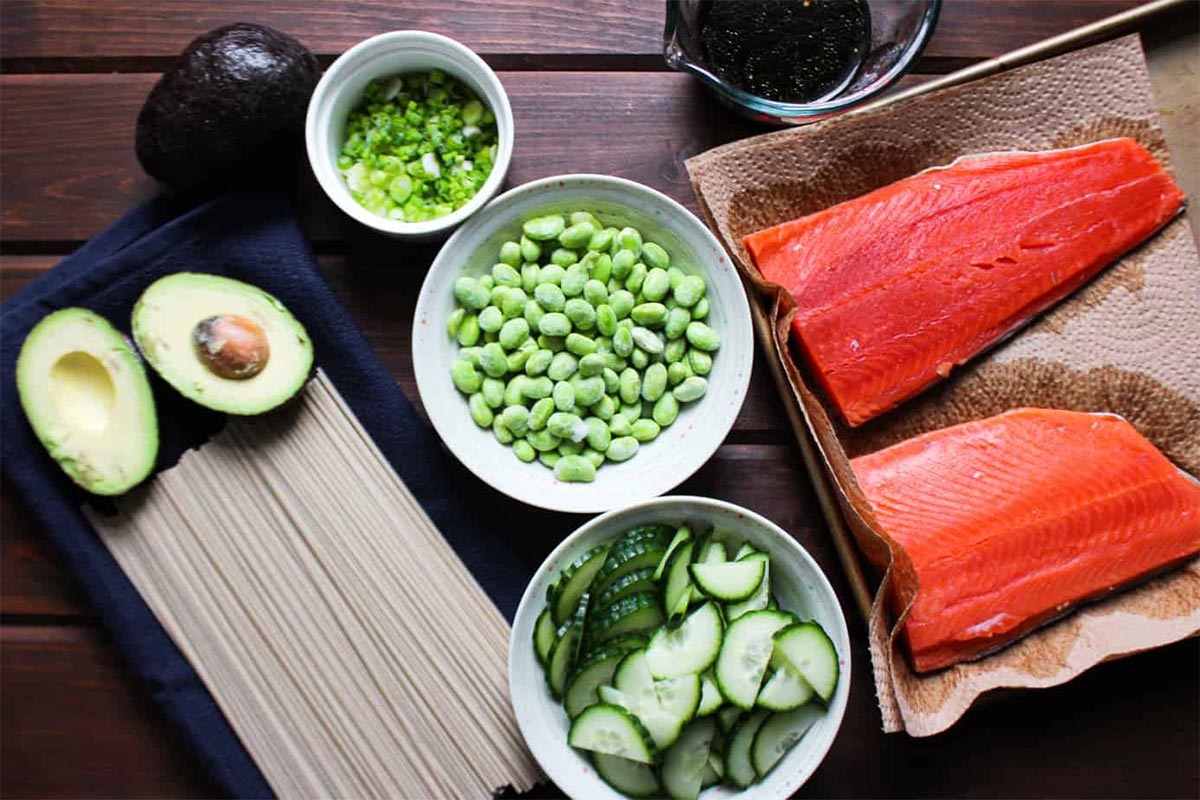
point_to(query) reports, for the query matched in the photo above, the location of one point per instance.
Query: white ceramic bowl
(680, 449)
(341, 88)
(797, 582)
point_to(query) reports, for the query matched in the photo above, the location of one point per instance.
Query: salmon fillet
(1008, 521)
(897, 287)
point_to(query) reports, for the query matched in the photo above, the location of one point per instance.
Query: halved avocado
(222, 343)
(87, 397)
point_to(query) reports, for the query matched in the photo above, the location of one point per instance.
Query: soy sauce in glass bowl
(796, 61)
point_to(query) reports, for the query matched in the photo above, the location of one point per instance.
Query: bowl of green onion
(410, 133)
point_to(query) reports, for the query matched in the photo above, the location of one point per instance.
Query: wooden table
(590, 94)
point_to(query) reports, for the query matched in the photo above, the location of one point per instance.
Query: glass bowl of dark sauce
(796, 61)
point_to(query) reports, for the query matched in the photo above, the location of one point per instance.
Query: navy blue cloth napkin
(255, 238)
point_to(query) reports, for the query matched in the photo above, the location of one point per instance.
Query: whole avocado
(232, 106)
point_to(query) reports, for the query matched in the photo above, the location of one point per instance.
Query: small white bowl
(797, 582)
(679, 450)
(387, 54)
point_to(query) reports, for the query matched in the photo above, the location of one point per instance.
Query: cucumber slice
(544, 635)
(562, 658)
(727, 718)
(690, 648)
(807, 648)
(637, 548)
(757, 601)
(638, 613)
(738, 766)
(710, 776)
(710, 696)
(678, 588)
(683, 765)
(640, 580)
(630, 778)
(743, 551)
(591, 675)
(729, 582)
(662, 706)
(714, 553)
(784, 690)
(745, 653)
(614, 731)
(627, 642)
(716, 761)
(574, 581)
(682, 536)
(778, 734)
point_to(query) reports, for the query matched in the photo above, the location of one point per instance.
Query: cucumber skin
(695, 569)
(743, 774)
(808, 716)
(570, 578)
(682, 537)
(673, 601)
(647, 743)
(621, 586)
(822, 692)
(600, 759)
(612, 616)
(556, 676)
(609, 656)
(782, 617)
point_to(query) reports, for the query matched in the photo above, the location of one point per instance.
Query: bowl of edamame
(581, 343)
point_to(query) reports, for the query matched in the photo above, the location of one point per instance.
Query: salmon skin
(1008, 521)
(897, 287)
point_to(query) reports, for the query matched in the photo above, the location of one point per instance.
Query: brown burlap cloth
(1127, 343)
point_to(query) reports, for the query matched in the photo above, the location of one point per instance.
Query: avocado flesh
(88, 400)
(164, 323)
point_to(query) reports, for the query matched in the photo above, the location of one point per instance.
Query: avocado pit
(231, 346)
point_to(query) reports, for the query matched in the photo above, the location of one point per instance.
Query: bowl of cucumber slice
(682, 647)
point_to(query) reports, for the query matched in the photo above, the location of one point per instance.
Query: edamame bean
(656, 285)
(618, 425)
(606, 319)
(580, 345)
(622, 448)
(622, 264)
(517, 358)
(591, 364)
(612, 361)
(550, 297)
(529, 277)
(594, 457)
(551, 273)
(605, 408)
(654, 382)
(674, 276)
(471, 293)
(622, 342)
(562, 366)
(675, 350)
(566, 425)
(651, 315)
(640, 359)
(665, 410)
(630, 386)
(631, 411)
(456, 318)
(564, 257)
(569, 448)
(498, 295)
(691, 389)
(689, 291)
(516, 419)
(556, 324)
(506, 275)
(480, 411)
(466, 379)
(486, 282)
(581, 313)
(514, 302)
(503, 435)
(612, 380)
(543, 229)
(470, 354)
(637, 277)
(543, 440)
(598, 435)
(533, 313)
(601, 240)
(490, 319)
(536, 388)
(514, 390)
(555, 344)
(510, 253)
(577, 236)
(577, 217)
(539, 415)
(574, 469)
(514, 333)
(601, 268)
(588, 390)
(678, 372)
(531, 251)
(538, 363)
(702, 337)
(548, 459)
(524, 450)
(595, 292)
(677, 322)
(647, 340)
(564, 396)
(630, 239)
(700, 310)
(622, 303)
(700, 362)
(468, 331)
(493, 392)
(493, 361)
(655, 256)
(575, 278)
(644, 430)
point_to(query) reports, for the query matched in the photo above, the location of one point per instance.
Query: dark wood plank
(129, 29)
(75, 723)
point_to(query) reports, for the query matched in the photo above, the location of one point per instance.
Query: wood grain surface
(589, 93)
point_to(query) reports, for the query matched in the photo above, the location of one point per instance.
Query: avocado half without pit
(88, 400)
(222, 343)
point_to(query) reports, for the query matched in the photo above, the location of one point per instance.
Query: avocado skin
(233, 106)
